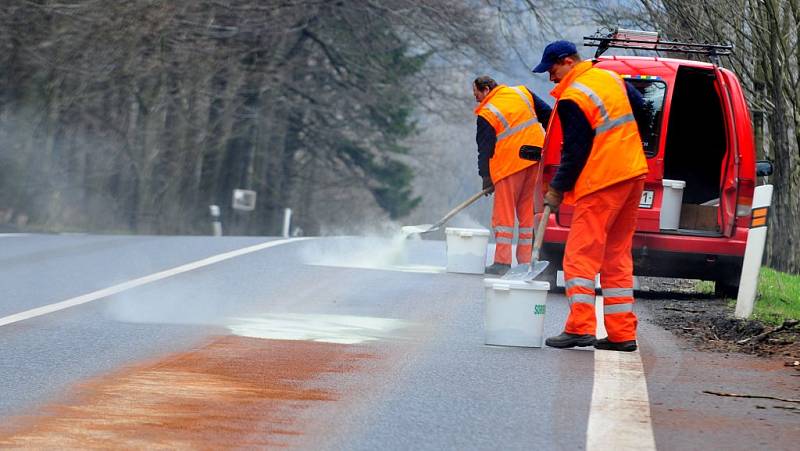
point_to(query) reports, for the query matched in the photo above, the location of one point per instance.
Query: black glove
(487, 184)
(530, 153)
(553, 199)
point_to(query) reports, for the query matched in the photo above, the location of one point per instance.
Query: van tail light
(743, 209)
(744, 201)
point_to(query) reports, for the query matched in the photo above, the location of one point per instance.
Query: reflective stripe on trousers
(589, 251)
(581, 298)
(618, 313)
(610, 309)
(513, 200)
(525, 236)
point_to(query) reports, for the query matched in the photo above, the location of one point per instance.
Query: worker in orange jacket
(509, 118)
(602, 173)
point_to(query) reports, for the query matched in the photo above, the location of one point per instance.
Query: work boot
(624, 346)
(567, 340)
(498, 269)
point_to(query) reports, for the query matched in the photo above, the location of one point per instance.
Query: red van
(698, 139)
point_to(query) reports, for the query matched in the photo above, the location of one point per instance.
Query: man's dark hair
(484, 82)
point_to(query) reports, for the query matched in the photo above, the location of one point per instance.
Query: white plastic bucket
(514, 312)
(671, 204)
(466, 250)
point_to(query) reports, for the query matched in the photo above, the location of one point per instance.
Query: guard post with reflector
(754, 251)
(216, 225)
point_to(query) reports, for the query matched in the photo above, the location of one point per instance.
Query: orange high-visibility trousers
(599, 241)
(513, 199)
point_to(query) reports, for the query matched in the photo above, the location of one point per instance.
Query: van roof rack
(650, 40)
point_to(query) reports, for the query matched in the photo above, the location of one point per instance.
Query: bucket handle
(501, 287)
(465, 234)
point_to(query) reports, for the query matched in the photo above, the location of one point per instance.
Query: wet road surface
(332, 344)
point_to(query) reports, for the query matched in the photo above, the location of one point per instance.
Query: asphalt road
(418, 375)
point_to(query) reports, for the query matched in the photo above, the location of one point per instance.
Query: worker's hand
(487, 184)
(553, 198)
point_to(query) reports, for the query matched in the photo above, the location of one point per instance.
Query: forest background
(134, 117)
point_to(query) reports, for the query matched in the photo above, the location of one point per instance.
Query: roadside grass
(704, 287)
(778, 297)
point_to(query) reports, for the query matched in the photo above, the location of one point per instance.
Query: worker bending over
(509, 117)
(602, 172)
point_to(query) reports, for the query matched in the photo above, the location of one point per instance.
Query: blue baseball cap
(554, 52)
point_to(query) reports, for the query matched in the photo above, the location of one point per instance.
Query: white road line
(619, 416)
(12, 235)
(105, 292)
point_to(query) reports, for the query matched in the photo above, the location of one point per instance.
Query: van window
(653, 93)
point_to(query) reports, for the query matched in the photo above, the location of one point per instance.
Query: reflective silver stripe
(617, 308)
(594, 98)
(524, 99)
(507, 130)
(617, 292)
(526, 230)
(584, 298)
(606, 126)
(579, 282)
(499, 115)
(510, 131)
(525, 241)
(504, 229)
(502, 240)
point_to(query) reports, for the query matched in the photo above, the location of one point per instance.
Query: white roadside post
(216, 225)
(287, 222)
(754, 251)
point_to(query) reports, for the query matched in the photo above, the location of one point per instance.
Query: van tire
(550, 273)
(725, 289)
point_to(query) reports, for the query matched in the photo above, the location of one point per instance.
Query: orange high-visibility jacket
(509, 110)
(616, 153)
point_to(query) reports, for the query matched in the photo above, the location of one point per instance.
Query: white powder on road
(389, 254)
(343, 329)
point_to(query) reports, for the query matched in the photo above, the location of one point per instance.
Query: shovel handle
(460, 207)
(537, 242)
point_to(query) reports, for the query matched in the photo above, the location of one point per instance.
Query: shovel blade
(536, 269)
(517, 272)
(415, 229)
(525, 272)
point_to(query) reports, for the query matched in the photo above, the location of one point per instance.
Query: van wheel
(551, 272)
(725, 289)
(549, 276)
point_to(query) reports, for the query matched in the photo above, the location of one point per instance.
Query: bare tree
(136, 115)
(766, 58)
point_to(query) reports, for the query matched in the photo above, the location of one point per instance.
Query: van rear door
(726, 214)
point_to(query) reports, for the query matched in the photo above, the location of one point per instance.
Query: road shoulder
(681, 374)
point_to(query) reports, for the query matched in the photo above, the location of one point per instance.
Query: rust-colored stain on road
(233, 392)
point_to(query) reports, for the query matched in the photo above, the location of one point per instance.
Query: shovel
(425, 228)
(529, 272)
